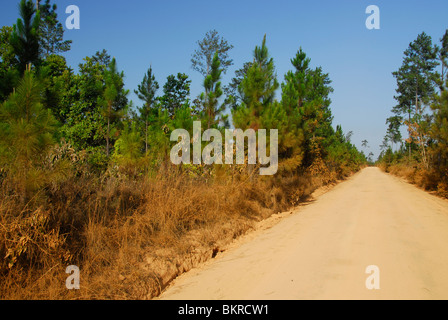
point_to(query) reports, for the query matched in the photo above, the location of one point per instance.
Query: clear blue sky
(140, 33)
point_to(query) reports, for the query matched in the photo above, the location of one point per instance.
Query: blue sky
(163, 34)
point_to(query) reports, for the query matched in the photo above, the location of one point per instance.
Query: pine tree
(175, 93)
(128, 148)
(443, 57)
(26, 133)
(300, 78)
(113, 87)
(291, 144)
(257, 89)
(393, 129)
(365, 143)
(306, 99)
(202, 58)
(147, 93)
(51, 31)
(158, 134)
(415, 84)
(439, 133)
(232, 90)
(25, 36)
(213, 92)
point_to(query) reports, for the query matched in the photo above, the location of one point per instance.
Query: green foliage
(158, 134)
(439, 134)
(91, 113)
(84, 125)
(175, 93)
(7, 54)
(342, 155)
(110, 107)
(55, 75)
(97, 159)
(129, 145)
(9, 76)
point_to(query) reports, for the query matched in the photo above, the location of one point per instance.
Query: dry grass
(429, 180)
(131, 237)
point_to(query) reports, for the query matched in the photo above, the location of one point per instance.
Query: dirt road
(321, 251)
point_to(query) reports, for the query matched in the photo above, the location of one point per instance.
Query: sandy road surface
(321, 251)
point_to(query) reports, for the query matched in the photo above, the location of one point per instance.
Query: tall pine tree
(176, 91)
(213, 92)
(257, 89)
(306, 99)
(109, 100)
(439, 133)
(51, 31)
(26, 134)
(415, 85)
(147, 93)
(443, 57)
(25, 36)
(202, 58)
